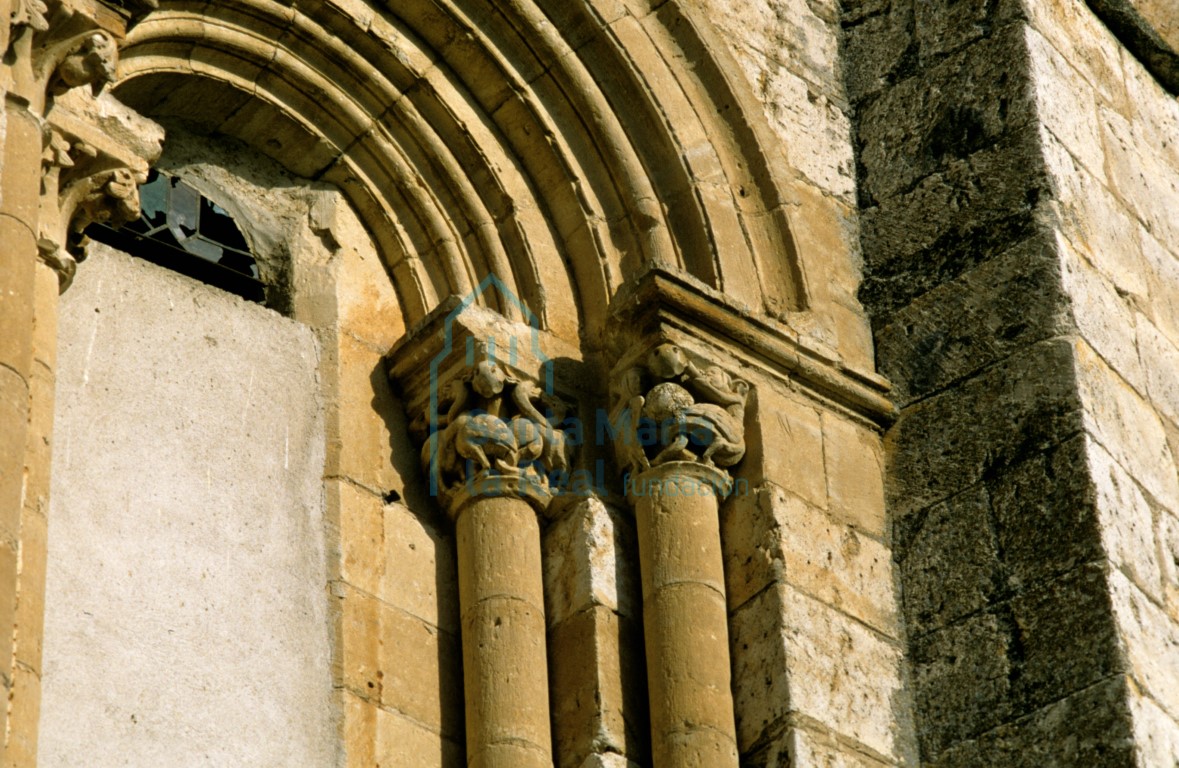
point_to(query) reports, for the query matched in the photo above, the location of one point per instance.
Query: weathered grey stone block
(962, 680)
(1016, 408)
(1045, 515)
(948, 561)
(945, 27)
(1091, 727)
(971, 211)
(1009, 661)
(966, 324)
(878, 47)
(1066, 638)
(959, 106)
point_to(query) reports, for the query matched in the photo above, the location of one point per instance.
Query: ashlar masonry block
(786, 446)
(773, 537)
(855, 474)
(598, 686)
(590, 556)
(796, 656)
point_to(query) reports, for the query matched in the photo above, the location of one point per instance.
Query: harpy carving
(495, 435)
(670, 410)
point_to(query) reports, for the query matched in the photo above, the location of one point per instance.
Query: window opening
(181, 229)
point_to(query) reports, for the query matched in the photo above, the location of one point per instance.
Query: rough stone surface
(996, 181)
(170, 393)
(1045, 278)
(1090, 727)
(811, 662)
(590, 556)
(773, 537)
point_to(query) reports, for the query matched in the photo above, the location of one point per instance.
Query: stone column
(505, 664)
(64, 162)
(20, 175)
(492, 455)
(677, 427)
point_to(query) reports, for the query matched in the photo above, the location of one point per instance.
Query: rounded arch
(563, 146)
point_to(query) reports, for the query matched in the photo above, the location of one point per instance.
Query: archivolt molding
(563, 146)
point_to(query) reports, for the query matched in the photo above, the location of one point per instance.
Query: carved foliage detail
(25, 14)
(30, 13)
(80, 186)
(495, 435)
(668, 409)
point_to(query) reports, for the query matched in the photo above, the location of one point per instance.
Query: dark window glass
(181, 229)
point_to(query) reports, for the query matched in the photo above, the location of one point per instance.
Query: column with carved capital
(677, 426)
(65, 160)
(494, 458)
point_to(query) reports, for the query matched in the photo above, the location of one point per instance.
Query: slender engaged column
(59, 171)
(505, 664)
(491, 453)
(20, 177)
(685, 617)
(677, 427)
(20, 181)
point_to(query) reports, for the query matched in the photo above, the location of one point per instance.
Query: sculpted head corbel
(89, 59)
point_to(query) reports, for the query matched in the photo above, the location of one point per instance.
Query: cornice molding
(667, 305)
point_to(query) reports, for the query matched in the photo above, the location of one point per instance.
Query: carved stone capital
(668, 408)
(97, 153)
(494, 435)
(666, 306)
(480, 394)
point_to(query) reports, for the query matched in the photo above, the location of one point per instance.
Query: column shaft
(685, 618)
(505, 667)
(20, 175)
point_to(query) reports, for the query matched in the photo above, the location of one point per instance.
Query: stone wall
(1109, 132)
(186, 618)
(1013, 168)
(995, 585)
(789, 54)
(815, 631)
(816, 635)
